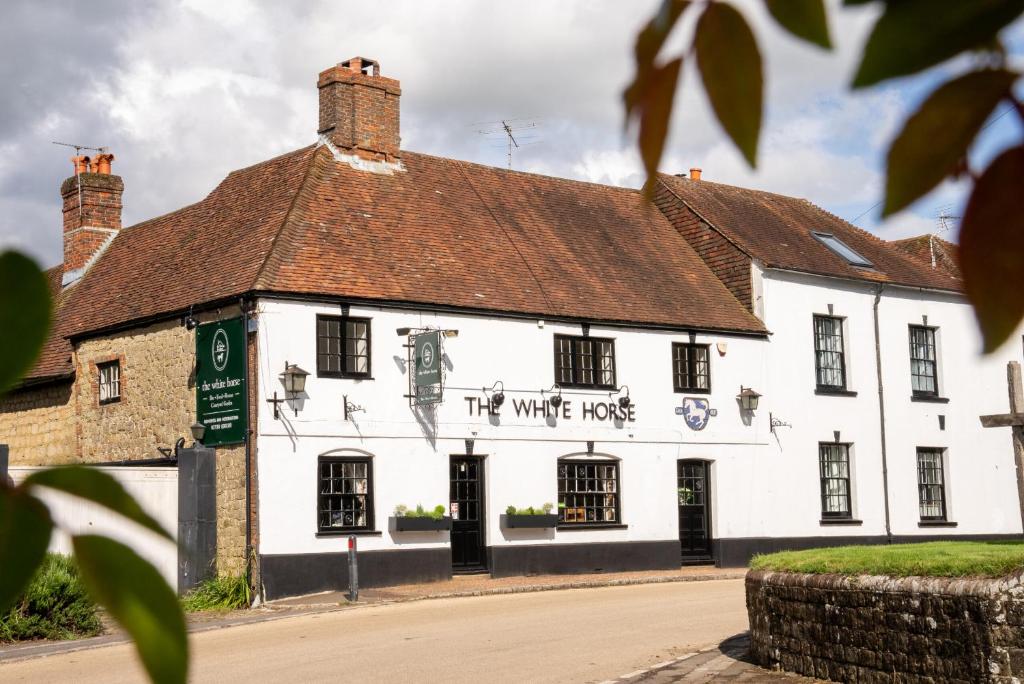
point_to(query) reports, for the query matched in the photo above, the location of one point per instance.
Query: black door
(694, 510)
(467, 511)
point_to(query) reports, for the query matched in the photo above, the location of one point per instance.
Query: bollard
(353, 570)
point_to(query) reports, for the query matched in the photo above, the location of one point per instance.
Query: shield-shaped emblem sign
(696, 412)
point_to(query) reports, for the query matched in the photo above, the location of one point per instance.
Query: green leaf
(912, 35)
(135, 593)
(650, 99)
(24, 316)
(992, 248)
(25, 528)
(655, 32)
(935, 138)
(730, 65)
(98, 487)
(803, 18)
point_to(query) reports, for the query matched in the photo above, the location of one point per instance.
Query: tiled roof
(440, 232)
(932, 251)
(55, 358)
(776, 230)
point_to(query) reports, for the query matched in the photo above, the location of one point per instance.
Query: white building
(588, 350)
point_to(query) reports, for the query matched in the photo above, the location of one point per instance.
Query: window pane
(923, 372)
(344, 495)
(834, 462)
(828, 352)
(587, 492)
(931, 485)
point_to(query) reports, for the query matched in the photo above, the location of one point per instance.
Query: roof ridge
(734, 241)
(255, 285)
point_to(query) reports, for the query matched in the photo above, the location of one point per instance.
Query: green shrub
(543, 510)
(54, 606)
(227, 592)
(402, 511)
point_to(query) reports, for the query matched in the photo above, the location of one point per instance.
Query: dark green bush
(55, 605)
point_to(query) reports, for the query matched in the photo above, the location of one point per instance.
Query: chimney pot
(82, 164)
(695, 173)
(103, 163)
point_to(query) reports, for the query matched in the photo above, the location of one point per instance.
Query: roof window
(842, 249)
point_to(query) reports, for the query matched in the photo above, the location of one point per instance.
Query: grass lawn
(929, 559)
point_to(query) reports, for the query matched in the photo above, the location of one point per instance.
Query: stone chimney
(92, 213)
(359, 109)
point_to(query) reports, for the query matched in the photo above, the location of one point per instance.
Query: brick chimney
(695, 173)
(359, 109)
(92, 213)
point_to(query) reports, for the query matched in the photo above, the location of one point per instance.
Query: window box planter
(405, 523)
(515, 521)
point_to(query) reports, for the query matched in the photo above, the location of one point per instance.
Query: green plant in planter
(402, 511)
(685, 496)
(543, 510)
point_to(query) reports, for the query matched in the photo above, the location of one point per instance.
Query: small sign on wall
(696, 412)
(427, 367)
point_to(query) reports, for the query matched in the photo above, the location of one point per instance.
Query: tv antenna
(78, 153)
(511, 129)
(945, 218)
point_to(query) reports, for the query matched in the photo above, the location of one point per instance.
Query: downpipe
(881, 415)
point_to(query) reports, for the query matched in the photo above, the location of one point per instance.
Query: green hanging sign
(220, 381)
(427, 368)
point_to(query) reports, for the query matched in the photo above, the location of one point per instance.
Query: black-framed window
(344, 494)
(924, 373)
(588, 492)
(931, 484)
(829, 353)
(109, 379)
(342, 346)
(691, 367)
(584, 361)
(834, 462)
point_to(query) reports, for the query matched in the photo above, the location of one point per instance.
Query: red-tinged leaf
(935, 138)
(25, 528)
(650, 100)
(803, 18)
(730, 65)
(653, 35)
(24, 316)
(98, 487)
(912, 35)
(992, 248)
(136, 595)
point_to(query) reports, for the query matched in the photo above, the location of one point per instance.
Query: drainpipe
(881, 415)
(248, 445)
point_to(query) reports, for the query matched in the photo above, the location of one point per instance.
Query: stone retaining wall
(885, 629)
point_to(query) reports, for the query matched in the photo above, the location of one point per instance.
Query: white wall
(411, 447)
(156, 490)
(980, 478)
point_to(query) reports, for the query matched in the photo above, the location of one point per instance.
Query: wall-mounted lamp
(497, 394)
(403, 332)
(624, 400)
(451, 333)
(556, 399)
(190, 322)
(198, 431)
(294, 380)
(748, 398)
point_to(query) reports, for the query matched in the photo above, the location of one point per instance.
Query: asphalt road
(579, 635)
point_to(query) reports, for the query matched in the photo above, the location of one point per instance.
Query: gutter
(881, 414)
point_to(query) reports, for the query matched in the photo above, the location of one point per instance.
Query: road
(578, 635)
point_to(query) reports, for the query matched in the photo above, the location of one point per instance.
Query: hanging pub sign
(220, 381)
(427, 367)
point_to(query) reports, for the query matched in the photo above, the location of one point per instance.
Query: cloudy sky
(184, 91)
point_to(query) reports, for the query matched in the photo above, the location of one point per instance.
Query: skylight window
(843, 250)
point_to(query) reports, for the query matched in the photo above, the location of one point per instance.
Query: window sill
(339, 376)
(834, 392)
(351, 533)
(841, 521)
(692, 391)
(930, 400)
(108, 402)
(936, 523)
(563, 527)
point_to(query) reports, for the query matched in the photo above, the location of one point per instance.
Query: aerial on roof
(793, 234)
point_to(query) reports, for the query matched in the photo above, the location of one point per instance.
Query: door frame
(708, 513)
(481, 460)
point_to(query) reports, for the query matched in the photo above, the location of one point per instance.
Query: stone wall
(38, 424)
(884, 629)
(66, 423)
